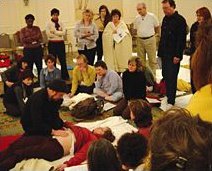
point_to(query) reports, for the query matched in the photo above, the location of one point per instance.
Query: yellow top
(100, 24)
(85, 78)
(201, 103)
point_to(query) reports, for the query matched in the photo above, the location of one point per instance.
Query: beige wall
(14, 11)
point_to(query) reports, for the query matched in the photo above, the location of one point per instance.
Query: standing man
(147, 25)
(171, 46)
(56, 31)
(41, 116)
(31, 38)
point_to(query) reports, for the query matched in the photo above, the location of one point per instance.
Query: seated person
(108, 84)
(52, 148)
(132, 150)
(140, 113)
(41, 116)
(134, 86)
(180, 142)
(83, 77)
(102, 156)
(13, 74)
(16, 96)
(49, 73)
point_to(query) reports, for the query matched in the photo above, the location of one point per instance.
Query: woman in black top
(134, 86)
(16, 96)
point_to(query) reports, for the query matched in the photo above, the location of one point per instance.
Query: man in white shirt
(147, 25)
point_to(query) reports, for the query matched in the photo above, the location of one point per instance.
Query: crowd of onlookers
(179, 140)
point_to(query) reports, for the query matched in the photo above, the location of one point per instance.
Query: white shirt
(58, 34)
(145, 25)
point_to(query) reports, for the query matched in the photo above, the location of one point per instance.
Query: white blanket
(118, 125)
(71, 102)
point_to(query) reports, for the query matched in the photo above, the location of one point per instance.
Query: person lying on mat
(52, 148)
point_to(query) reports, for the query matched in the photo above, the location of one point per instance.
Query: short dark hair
(101, 63)
(29, 16)
(102, 157)
(27, 74)
(108, 135)
(171, 2)
(132, 149)
(115, 12)
(55, 11)
(50, 57)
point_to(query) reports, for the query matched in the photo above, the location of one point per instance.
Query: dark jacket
(173, 36)
(17, 93)
(41, 114)
(193, 31)
(134, 85)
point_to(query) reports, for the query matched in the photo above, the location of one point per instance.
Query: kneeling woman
(76, 141)
(17, 95)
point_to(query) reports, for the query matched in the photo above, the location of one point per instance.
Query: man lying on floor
(52, 148)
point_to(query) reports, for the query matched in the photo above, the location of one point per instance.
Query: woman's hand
(60, 133)
(61, 167)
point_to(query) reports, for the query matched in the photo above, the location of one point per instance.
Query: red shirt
(31, 37)
(84, 138)
(145, 132)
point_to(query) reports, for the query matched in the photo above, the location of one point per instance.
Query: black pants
(58, 50)
(99, 47)
(34, 55)
(122, 109)
(12, 109)
(28, 147)
(90, 54)
(170, 72)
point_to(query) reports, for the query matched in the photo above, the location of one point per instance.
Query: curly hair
(177, 142)
(132, 149)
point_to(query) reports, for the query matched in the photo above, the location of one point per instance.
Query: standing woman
(101, 22)
(86, 33)
(117, 43)
(55, 31)
(203, 16)
(31, 38)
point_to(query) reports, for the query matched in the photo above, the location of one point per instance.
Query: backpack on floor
(87, 109)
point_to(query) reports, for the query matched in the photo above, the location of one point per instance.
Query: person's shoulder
(23, 29)
(36, 27)
(91, 68)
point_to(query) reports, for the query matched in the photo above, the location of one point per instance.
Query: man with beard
(41, 116)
